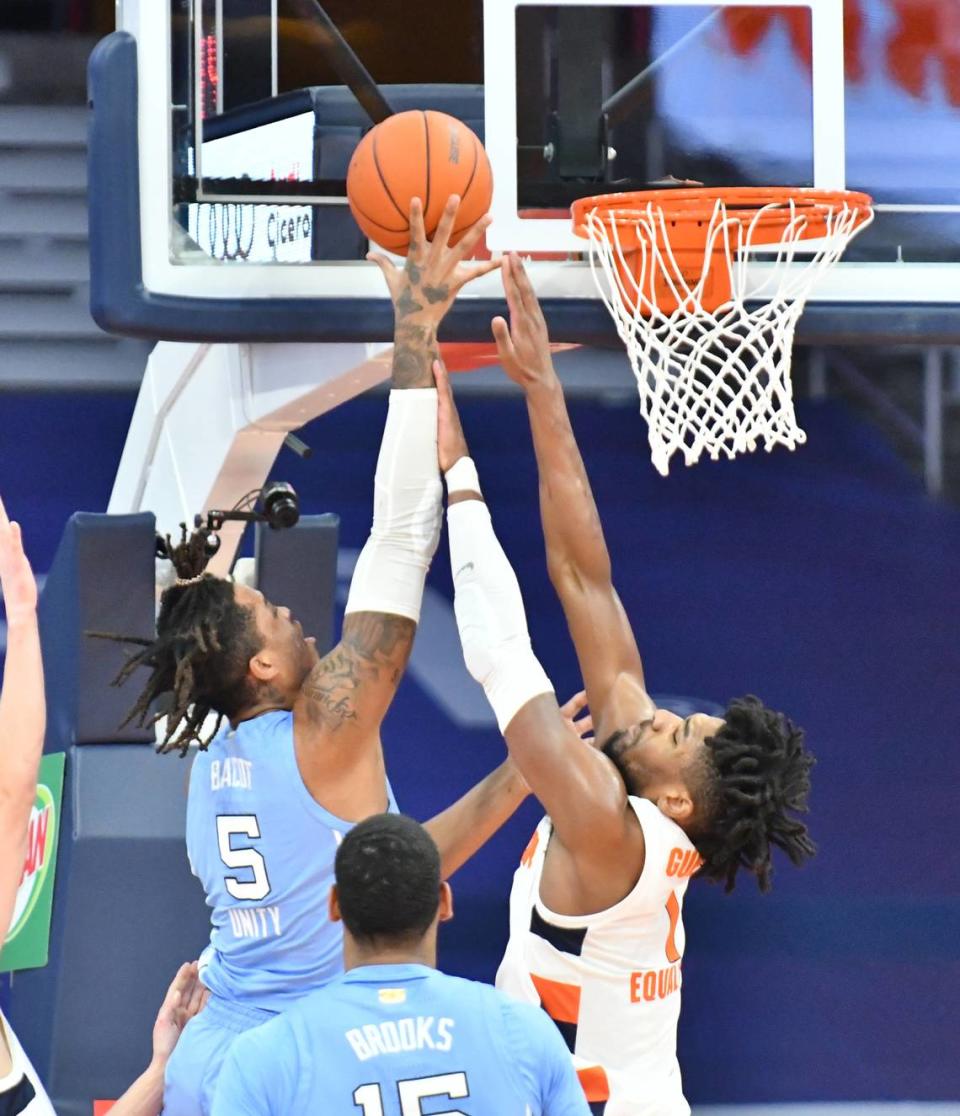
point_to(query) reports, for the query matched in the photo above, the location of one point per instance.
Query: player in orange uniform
(596, 934)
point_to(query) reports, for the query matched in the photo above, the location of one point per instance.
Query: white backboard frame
(511, 231)
(148, 21)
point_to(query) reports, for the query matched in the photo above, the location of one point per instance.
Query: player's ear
(333, 905)
(445, 910)
(262, 666)
(676, 803)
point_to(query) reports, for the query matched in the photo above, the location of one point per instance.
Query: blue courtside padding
(291, 567)
(83, 707)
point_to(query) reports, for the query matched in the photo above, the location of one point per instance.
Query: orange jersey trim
(528, 853)
(673, 910)
(560, 1001)
(593, 1081)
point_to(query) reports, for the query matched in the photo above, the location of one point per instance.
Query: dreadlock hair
(754, 772)
(200, 656)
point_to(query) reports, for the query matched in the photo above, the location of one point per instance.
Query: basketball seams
(476, 163)
(383, 181)
(473, 175)
(373, 221)
(389, 167)
(426, 138)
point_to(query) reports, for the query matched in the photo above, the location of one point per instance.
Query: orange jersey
(611, 980)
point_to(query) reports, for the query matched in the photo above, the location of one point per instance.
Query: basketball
(427, 155)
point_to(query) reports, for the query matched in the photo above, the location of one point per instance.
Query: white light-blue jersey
(402, 1040)
(263, 849)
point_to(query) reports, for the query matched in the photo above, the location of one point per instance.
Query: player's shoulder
(520, 1026)
(264, 1067)
(530, 1020)
(535, 1049)
(463, 990)
(483, 1000)
(263, 1054)
(656, 826)
(669, 851)
(266, 1037)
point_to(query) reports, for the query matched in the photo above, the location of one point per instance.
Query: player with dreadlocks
(299, 760)
(596, 935)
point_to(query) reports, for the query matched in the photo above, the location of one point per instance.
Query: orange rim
(697, 204)
(685, 221)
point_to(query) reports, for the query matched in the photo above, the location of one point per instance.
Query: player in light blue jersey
(300, 761)
(392, 1036)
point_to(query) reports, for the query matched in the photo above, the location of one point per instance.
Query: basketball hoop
(708, 328)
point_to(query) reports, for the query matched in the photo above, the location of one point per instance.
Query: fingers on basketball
(468, 242)
(386, 267)
(445, 226)
(418, 236)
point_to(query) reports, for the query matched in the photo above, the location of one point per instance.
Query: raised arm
(22, 712)
(577, 558)
(577, 785)
(350, 689)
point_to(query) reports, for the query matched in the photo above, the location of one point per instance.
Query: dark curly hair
(752, 778)
(199, 660)
(387, 871)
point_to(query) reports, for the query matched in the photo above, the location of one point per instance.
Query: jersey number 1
(242, 825)
(412, 1092)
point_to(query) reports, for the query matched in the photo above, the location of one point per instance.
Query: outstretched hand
(16, 577)
(451, 441)
(523, 346)
(423, 290)
(185, 998)
(581, 725)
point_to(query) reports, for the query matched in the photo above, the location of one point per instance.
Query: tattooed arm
(353, 685)
(425, 288)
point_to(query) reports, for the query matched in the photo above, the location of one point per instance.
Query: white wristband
(462, 476)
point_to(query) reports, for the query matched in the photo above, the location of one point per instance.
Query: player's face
(284, 646)
(664, 747)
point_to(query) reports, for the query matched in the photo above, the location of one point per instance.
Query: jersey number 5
(242, 825)
(412, 1092)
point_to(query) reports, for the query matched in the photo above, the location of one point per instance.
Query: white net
(715, 381)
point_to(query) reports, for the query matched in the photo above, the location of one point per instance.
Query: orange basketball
(426, 155)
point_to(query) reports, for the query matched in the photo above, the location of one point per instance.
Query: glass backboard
(246, 114)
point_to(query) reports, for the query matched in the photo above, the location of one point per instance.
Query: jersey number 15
(369, 1098)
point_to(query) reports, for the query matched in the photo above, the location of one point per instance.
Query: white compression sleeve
(490, 614)
(407, 509)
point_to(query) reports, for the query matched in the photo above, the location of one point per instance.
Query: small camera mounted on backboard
(276, 504)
